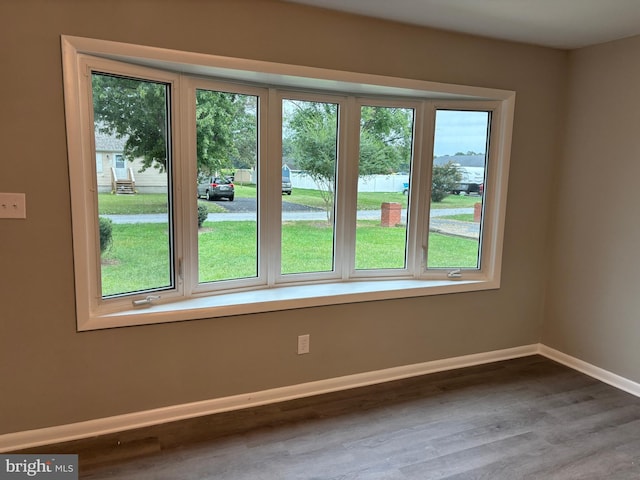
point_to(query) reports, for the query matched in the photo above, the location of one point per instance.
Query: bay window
(398, 186)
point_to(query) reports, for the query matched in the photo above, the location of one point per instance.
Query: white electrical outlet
(13, 205)
(303, 344)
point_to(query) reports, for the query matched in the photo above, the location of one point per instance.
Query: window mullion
(271, 213)
(188, 164)
(416, 193)
(346, 210)
(422, 186)
(349, 184)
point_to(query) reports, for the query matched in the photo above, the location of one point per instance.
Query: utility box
(391, 214)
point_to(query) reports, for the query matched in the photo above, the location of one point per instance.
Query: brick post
(477, 212)
(391, 214)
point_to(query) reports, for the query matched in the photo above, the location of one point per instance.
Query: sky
(460, 131)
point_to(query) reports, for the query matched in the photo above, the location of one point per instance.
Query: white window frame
(414, 254)
(272, 291)
(338, 233)
(190, 268)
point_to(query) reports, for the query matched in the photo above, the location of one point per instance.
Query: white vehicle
(472, 180)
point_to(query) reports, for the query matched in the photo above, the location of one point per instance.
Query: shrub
(202, 214)
(106, 233)
(445, 178)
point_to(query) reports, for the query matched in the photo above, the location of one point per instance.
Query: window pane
(460, 157)
(309, 145)
(385, 160)
(134, 201)
(227, 150)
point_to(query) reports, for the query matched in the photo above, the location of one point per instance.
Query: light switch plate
(303, 344)
(13, 205)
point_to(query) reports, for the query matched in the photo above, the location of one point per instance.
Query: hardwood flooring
(528, 418)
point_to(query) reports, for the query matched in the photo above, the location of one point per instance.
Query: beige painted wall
(593, 310)
(51, 375)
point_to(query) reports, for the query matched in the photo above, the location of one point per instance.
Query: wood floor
(528, 418)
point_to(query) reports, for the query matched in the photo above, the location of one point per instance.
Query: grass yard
(144, 203)
(138, 258)
(452, 252)
(372, 200)
(462, 217)
(379, 247)
(109, 204)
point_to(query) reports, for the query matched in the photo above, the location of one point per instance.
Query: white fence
(370, 183)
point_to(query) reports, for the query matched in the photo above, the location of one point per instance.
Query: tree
(310, 141)
(137, 110)
(312, 129)
(223, 129)
(385, 140)
(444, 179)
(245, 132)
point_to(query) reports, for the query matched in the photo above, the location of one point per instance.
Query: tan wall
(594, 306)
(51, 375)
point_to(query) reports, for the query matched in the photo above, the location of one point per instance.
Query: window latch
(454, 273)
(148, 300)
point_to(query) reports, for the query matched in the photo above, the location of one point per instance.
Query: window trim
(277, 294)
(413, 252)
(192, 282)
(334, 275)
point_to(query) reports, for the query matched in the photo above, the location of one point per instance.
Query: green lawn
(372, 200)
(457, 201)
(143, 203)
(138, 257)
(463, 217)
(109, 204)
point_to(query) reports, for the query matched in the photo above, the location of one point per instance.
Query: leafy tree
(444, 180)
(385, 140)
(310, 136)
(312, 140)
(245, 132)
(137, 110)
(218, 119)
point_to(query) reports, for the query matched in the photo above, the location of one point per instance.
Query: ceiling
(565, 24)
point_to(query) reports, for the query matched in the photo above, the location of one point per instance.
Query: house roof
(106, 142)
(462, 160)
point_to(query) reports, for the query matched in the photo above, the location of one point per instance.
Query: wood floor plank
(528, 418)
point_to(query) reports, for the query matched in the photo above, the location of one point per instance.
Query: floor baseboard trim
(598, 373)
(91, 428)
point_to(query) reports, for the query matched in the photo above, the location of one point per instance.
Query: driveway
(243, 205)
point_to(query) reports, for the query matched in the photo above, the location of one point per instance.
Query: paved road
(249, 205)
(240, 210)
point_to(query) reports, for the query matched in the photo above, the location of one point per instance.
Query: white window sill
(281, 298)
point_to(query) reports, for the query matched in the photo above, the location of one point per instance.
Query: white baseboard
(130, 421)
(598, 373)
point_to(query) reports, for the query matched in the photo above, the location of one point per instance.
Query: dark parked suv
(214, 188)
